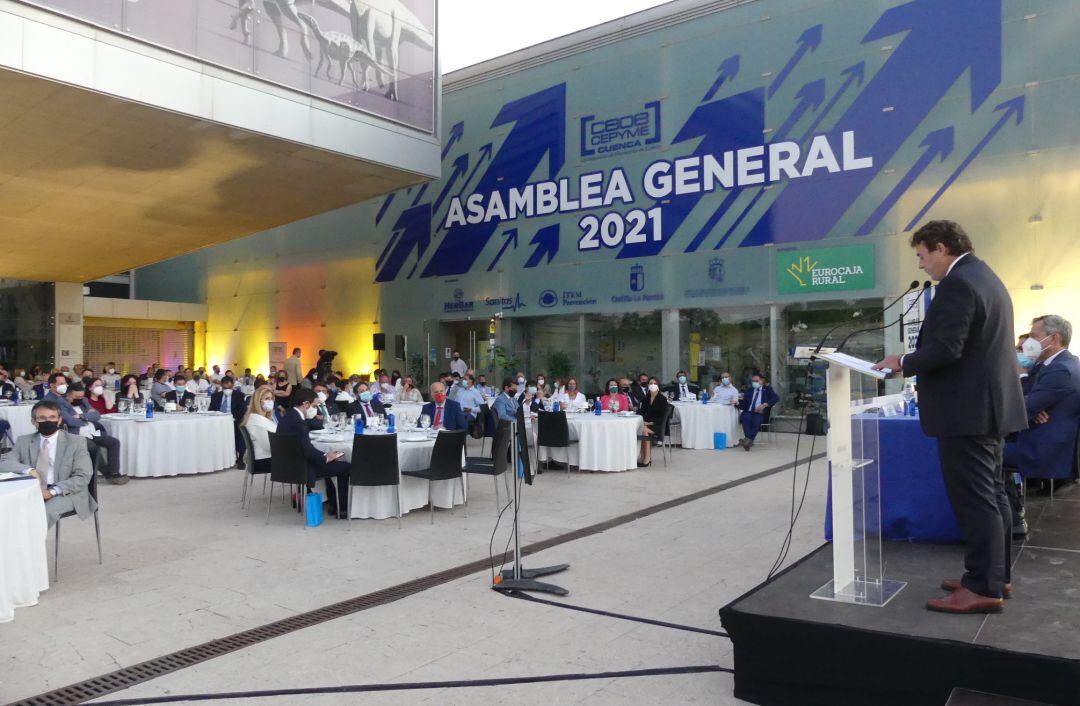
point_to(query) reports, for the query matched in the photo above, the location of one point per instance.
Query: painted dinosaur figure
(242, 18)
(280, 10)
(343, 49)
(382, 25)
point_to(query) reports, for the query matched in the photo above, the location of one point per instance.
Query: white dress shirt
(48, 446)
(725, 394)
(572, 401)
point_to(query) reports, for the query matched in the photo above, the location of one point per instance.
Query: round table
(698, 422)
(179, 443)
(18, 416)
(378, 502)
(401, 410)
(24, 566)
(608, 442)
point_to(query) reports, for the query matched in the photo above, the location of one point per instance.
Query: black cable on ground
(409, 686)
(792, 516)
(620, 616)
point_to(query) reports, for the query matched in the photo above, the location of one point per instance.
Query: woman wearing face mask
(572, 400)
(543, 390)
(259, 421)
(283, 391)
(129, 388)
(96, 397)
(23, 383)
(407, 392)
(614, 395)
(725, 392)
(652, 409)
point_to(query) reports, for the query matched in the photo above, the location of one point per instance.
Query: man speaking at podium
(969, 398)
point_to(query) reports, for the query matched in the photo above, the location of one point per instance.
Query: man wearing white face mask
(725, 392)
(180, 395)
(326, 465)
(757, 406)
(682, 388)
(229, 399)
(326, 408)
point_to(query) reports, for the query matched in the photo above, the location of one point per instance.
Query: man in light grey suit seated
(58, 459)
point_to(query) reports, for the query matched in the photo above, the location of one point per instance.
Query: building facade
(702, 186)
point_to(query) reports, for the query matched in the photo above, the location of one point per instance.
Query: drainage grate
(127, 677)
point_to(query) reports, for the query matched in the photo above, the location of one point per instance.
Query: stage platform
(791, 649)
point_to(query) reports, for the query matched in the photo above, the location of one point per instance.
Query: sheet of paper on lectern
(859, 365)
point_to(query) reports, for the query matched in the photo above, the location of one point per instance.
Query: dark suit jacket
(965, 357)
(376, 407)
(237, 404)
(1048, 450)
(454, 418)
(676, 389)
(653, 410)
(291, 423)
(170, 396)
(8, 390)
(638, 394)
(768, 396)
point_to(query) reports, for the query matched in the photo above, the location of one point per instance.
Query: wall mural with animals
(377, 56)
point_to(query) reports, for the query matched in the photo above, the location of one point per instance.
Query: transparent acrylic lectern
(855, 468)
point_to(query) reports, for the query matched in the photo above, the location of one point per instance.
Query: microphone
(911, 287)
(926, 286)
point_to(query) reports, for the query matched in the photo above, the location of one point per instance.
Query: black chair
(288, 467)
(374, 463)
(445, 465)
(92, 489)
(553, 432)
(249, 464)
(660, 433)
(497, 465)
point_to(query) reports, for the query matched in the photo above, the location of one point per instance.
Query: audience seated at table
(613, 395)
(158, 389)
(407, 391)
(326, 407)
(757, 403)
(96, 399)
(652, 410)
(573, 399)
(181, 393)
(129, 389)
(110, 377)
(468, 397)
(444, 413)
(26, 387)
(79, 419)
(259, 422)
(247, 379)
(1047, 448)
(505, 406)
(483, 387)
(725, 392)
(682, 388)
(326, 466)
(230, 399)
(58, 459)
(639, 390)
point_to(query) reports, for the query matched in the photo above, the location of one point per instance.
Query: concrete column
(669, 343)
(777, 355)
(69, 323)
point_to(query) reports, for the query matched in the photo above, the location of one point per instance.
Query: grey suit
(72, 471)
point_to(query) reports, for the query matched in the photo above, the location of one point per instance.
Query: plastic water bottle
(390, 423)
(598, 409)
(358, 424)
(704, 397)
(555, 406)
(149, 410)
(912, 410)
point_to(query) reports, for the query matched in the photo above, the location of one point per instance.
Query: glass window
(27, 330)
(620, 345)
(713, 341)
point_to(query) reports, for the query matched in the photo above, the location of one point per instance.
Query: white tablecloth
(174, 444)
(698, 422)
(605, 443)
(378, 502)
(24, 566)
(405, 409)
(18, 416)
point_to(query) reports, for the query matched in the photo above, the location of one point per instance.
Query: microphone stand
(911, 287)
(883, 327)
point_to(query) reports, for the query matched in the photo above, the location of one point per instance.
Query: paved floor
(184, 565)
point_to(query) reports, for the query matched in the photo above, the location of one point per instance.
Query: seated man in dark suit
(77, 415)
(326, 407)
(327, 465)
(682, 388)
(756, 406)
(59, 460)
(444, 413)
(366, 404)
(230, 399)
(180, 395)
(8, 391)
(1047, 448)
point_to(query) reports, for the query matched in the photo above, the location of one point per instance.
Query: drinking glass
(614, 406)
(123, 405)
(425, 422)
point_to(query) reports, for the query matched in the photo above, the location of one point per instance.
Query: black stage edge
(793, 650)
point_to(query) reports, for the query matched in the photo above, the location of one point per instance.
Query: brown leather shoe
(964, 601)
(951, 585)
